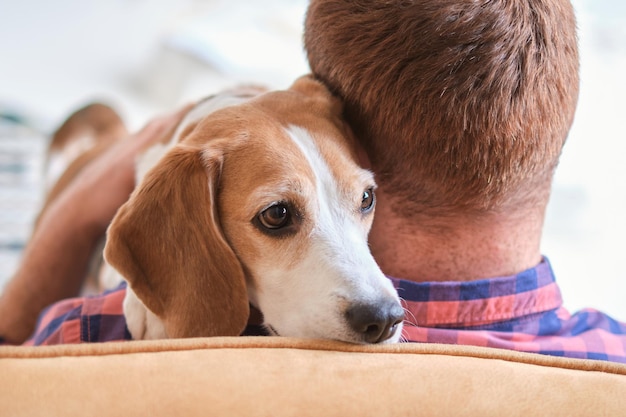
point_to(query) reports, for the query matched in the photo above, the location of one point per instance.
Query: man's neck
(464, 249)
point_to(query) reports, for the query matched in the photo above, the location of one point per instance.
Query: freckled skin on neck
(465, 250)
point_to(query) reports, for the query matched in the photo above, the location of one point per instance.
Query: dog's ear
(315, 89)
(328, 106)
(168, 244)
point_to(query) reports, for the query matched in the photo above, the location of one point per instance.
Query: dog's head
(262, 203)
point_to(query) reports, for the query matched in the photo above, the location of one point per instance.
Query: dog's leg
(85, 134)
(78, 141)
(81, 138)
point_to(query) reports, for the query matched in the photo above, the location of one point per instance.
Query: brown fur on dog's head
(460, 105)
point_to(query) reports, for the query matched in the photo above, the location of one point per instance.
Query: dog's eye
(275, 217)
(368, 200)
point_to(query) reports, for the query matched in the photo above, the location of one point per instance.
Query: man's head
(461, 105)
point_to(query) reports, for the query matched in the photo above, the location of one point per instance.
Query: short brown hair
(460, 104)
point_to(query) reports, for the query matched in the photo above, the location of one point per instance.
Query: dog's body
(256, 199)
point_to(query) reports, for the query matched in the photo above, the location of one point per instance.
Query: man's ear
(168, 244)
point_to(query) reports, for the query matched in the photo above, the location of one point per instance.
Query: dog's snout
(375, 322)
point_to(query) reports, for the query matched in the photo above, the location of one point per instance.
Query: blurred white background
(147, 56)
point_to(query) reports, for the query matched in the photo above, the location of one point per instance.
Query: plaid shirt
(522, 312)
(92, 319)
(86, 319)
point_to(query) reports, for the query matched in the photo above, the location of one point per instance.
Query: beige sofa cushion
(271, 376)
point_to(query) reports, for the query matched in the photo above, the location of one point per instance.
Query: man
(462, 109)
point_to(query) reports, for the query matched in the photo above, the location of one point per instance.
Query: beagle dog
(258, 200)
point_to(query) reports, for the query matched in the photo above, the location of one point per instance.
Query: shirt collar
(481, 302)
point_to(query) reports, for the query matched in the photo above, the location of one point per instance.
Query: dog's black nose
(376, 322)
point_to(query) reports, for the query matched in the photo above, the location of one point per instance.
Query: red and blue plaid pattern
(92, 319)
(88, 319)
(522, 312)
